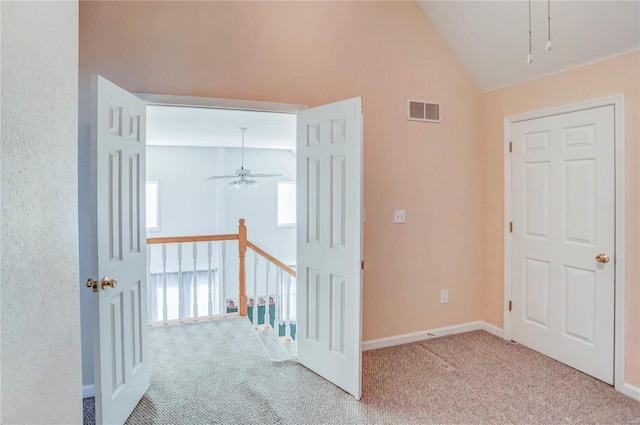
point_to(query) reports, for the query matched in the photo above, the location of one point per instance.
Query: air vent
(420, 110)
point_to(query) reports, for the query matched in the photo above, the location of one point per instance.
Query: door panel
(563, 192)
(536, 301)
(120, 335)
(330, 242)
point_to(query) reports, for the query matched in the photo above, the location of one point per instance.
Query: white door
(120, 332)
(563, 197)
(329, 242)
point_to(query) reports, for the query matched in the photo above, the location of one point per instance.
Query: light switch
(398, 216)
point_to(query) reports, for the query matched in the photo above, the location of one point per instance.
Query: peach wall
(319, 52)
(610, 77)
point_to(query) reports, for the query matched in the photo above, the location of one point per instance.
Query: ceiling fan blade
(222, 177)
(264, 175)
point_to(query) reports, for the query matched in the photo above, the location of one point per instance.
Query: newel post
(242, 275)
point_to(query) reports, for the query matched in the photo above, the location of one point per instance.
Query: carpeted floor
(220, 372)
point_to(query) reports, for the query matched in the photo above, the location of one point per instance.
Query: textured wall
(605, 78)
(40, 301)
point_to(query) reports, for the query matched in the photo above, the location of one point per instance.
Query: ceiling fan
(243, 176)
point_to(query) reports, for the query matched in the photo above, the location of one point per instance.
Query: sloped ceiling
(490, 38)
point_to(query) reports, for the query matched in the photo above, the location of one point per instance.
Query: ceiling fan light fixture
(549, 45)
(243, 184)
(530, 55)
(243, 175)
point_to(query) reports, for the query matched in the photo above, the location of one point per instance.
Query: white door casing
(121, 355)
(563, 214)
(329, 242)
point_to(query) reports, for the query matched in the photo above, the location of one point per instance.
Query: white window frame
(278, 223)
(157, 184)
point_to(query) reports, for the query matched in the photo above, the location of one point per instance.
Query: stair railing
(284, 301)
(215, 289)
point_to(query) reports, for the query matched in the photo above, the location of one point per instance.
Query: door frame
(619, 263)
(155, 99)
(219, 103)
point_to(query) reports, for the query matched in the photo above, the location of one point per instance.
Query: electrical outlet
(398, 216)
(444, 296)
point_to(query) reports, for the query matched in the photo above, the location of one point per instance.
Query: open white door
(329, 242)
(121, 355)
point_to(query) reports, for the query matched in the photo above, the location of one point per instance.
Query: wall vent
(421, 110)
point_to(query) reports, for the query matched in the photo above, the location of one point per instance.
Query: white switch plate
(444, 296)
(398, 216)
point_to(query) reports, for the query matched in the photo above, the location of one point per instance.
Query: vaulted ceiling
(491, 38)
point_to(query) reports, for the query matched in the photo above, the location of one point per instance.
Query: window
(286, 204)
(153, 206)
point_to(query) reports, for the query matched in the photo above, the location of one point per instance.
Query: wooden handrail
(271, 258)
(180, 239)
(243, 244)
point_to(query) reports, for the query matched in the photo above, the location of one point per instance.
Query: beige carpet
(476, 377)
(220, 372)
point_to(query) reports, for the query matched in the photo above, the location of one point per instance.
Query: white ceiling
(183, 126)
(490, 38)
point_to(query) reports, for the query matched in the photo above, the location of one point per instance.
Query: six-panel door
(563, 195)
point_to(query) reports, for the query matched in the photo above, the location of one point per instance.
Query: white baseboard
(88, 391)
(492, 329)
(630, 391)
(429, 334)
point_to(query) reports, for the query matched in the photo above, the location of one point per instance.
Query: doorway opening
(329, 209)
(193, 157)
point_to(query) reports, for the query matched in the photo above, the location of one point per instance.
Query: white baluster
(276, 323)
(209, 285)
(195, 280)
(216, 290)
(164, 283)
(150, 288)
(287, 326)
(180, 285)
(267, 318)
(223, 284)
(255, 290)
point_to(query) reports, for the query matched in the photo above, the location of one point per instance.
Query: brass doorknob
(602, 258)
(106, 282)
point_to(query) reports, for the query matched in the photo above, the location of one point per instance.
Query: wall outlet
(398, 216)
(444, 296)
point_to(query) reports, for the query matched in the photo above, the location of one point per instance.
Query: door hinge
(362, 265)
(510, 305)
(510, 146)
(511, 227)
